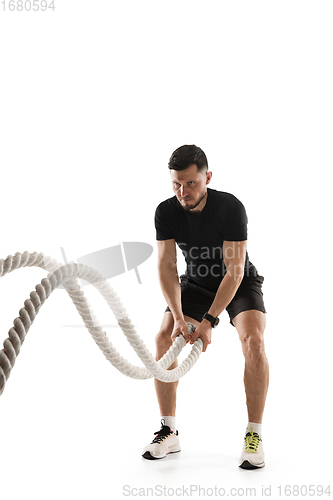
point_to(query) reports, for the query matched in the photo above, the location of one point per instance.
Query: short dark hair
(187, 155)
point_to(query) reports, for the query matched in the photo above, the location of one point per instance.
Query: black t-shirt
(201, 237)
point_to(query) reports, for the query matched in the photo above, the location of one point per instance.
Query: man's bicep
(167, 253)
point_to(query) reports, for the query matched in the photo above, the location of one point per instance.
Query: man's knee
(253, 343)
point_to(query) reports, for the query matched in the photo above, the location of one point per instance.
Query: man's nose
(182, 191)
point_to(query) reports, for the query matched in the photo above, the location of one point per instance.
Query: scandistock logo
(116, 260)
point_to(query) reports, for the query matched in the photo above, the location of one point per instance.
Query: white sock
(256, 428)
(170, 422)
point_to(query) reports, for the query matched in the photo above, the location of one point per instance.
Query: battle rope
(67, 276)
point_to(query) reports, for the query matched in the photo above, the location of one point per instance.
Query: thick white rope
(67, 276)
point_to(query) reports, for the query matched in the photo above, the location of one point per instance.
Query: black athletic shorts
(197, 300)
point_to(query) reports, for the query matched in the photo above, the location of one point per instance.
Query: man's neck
(199, 208)
(194, 212)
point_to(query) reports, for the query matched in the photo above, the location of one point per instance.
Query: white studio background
(94, 97)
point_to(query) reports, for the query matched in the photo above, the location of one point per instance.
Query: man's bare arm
(169, 281)
(234, 253)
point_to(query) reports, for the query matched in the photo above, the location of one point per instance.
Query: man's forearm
(170, 287)
(225, 293)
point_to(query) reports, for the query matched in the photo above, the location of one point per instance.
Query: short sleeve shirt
(200, 238)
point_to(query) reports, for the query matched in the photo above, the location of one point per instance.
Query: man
(210, 227)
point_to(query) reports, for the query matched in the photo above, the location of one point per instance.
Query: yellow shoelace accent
(252, 441)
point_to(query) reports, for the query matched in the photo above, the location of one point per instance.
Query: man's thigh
(252, 322)
(167, 323)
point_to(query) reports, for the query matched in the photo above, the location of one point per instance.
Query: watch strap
(213, 321)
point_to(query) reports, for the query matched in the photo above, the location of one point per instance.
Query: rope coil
(67, 275)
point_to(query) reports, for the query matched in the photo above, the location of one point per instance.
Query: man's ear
(208, 177)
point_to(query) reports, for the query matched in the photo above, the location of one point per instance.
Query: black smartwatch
(213, 321)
